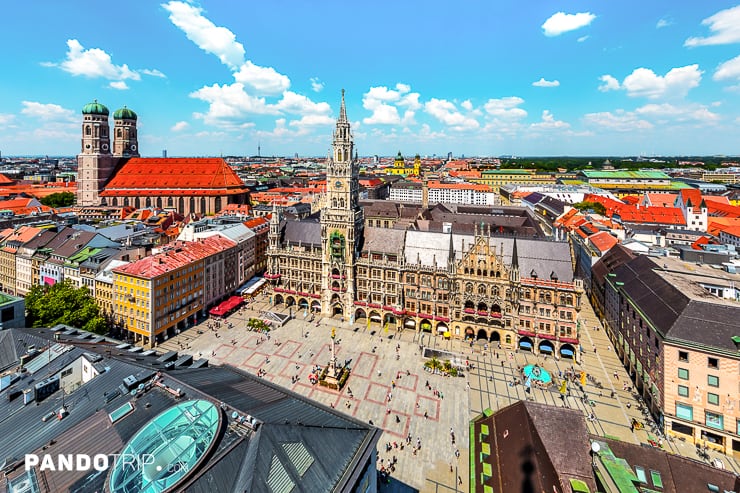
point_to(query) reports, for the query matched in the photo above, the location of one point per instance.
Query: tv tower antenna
(259, 149)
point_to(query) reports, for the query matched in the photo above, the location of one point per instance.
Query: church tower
(125, 142)
(341, 223)
(95, 163)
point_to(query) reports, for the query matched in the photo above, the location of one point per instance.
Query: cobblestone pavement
(421, 405)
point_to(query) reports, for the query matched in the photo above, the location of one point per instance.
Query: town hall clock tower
(341, 223)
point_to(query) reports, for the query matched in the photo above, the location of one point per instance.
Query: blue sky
(473, 77)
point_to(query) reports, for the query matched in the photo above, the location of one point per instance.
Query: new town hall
(519, 293)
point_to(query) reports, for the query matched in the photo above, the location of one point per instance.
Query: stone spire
(514, 257)
(342, 110)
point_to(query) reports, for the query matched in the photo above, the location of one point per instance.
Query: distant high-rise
(164, 152)
(449, 156)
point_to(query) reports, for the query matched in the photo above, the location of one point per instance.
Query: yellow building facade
(400, 168)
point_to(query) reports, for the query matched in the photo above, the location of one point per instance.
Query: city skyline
(214, 78)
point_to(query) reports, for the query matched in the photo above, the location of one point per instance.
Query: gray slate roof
(540, 256)
(384, 240)
(677, 307)
(305, 232)
(292, 428)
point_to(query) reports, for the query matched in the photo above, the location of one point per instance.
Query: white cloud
(505, 108)
(94, 63)
(47, 111)
(229, 104)
(118, 84)
(179, 126)
(583, 38)
(546, 83)
(384, 103)
(467, 105)
(663, 23)
(561, 22)
(6, 119)
(446, 112)
(302, 105)
(264, 80)
(678, 113)
(153, 73)
(549, 122)
(728, 70)
(316, 84)
(206, 35)
(383, 114)
(676, 83)
(643, 82)
(619, 121)
(609, 83)
(312, 120)
(725, 26)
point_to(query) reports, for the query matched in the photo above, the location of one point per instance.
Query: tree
(59, 199)
(62, 303)
(596, 207)
(257, 325)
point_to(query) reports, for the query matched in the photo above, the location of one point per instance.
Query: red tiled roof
(653, 215)
(717, 224)
(179, 255)
(4, 180)
(602, 241)
(256, 222)
(732, 231)
(174, 176)
(631, 199)
(661, 199)
(702, 240)
(690, 193)
(634, 214)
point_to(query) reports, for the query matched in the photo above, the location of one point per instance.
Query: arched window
(469, 288)
(508, 339)
(482, 289)
(88, 131)
(119, 134)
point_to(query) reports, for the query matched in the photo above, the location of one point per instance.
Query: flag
(528, 382)
(386, 327)
(564, 387)
(583, 378)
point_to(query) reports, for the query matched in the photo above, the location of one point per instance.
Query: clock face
(337, 184)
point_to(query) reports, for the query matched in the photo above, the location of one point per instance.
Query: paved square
(290, 353)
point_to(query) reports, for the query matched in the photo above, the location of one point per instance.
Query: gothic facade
(516, 293)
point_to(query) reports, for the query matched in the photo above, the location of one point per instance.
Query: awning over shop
(566, 352)
(227, 306)
(525, 344)
(251, 286)
(545, 348)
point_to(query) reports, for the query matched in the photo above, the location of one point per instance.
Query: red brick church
(116, 175)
